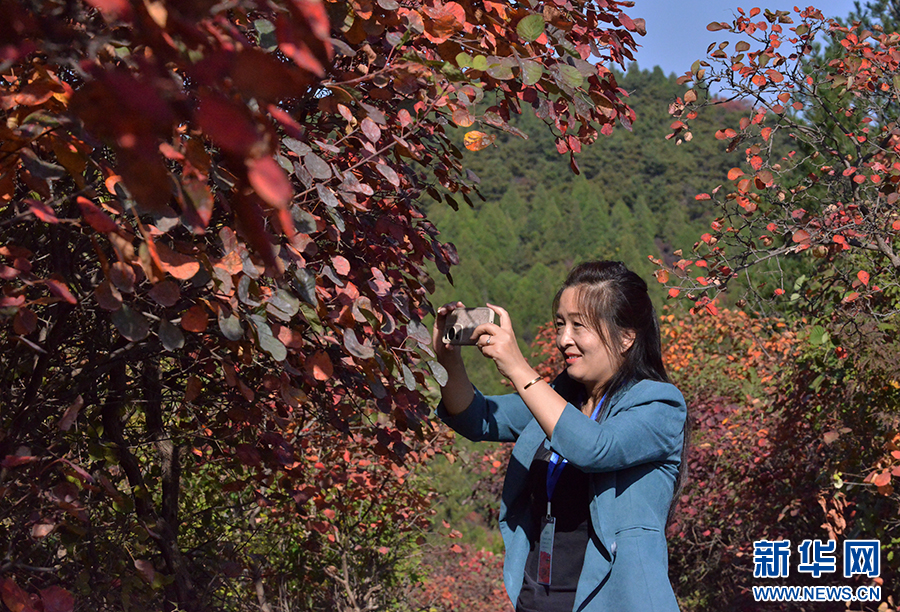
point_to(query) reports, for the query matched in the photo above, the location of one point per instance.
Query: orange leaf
(662, 276)
(59, 289)
(195, 319)
(341, 265)
(462, 117)
(177, 264)
(15, 598)
(882, 479)
(95, 217)
(863, 277)
(801, 236)
(734, 173)
(476, 141)
(270, 182)
(319, 366)
(674, 292)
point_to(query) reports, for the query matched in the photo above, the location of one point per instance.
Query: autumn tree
(806, 226)
(818, 226)
(214, 278)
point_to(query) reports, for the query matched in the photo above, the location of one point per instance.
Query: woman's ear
(628, 337)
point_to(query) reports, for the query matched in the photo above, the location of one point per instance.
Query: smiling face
(588, 359)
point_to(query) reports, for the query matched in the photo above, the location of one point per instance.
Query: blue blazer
(632, 456)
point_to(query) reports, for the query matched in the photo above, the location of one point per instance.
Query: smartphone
(463, 321)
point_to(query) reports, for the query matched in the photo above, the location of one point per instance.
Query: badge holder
(545, 554)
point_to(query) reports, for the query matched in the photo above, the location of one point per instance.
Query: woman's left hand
(499, 343)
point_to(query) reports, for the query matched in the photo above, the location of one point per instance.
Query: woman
(598, 452)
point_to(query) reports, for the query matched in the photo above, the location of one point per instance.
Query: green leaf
(419, 332)
(464, 60)
(247, 288)
(896, 80)
(273, 347)
(362, 351)
(409, 381)
(266, 30)
(818, 336)
(283, 305)
(305, 284)
(440, 373)
(499, 68)
(480, 62)
(130, 323)
(231, 327)
(531, 72)
(530, 28)
(568, 76)
(171, 337)
(266, 340)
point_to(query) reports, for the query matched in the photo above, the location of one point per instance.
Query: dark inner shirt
(570, 507)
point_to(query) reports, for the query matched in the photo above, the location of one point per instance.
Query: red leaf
(16, 599)
(57, 599)
(371, 129)
(229, 125)
(24, 322)
(17, 460)
(59, 289)
(179, 265)
(107, 296)
(195, 319)
(42, 211)
(95, 217)
(122, 276)
(165, 293)
(801, 236)
(702, 196)
(341, 265)
(270, 182)
(882, 479)
(115, 9)
(319, 366)
(71, 414)
(146, 569)
(445, 20)
(863, 277)
(673, 293)
(734, 173)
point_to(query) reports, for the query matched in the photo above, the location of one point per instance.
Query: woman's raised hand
(445, 353)
(498, 342)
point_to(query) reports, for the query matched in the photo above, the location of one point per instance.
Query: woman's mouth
(570, 359)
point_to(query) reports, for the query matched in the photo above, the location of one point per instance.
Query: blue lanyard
(557, 463)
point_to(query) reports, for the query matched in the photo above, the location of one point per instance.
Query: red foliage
(211, 238)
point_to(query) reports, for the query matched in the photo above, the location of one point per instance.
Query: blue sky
(677, 34)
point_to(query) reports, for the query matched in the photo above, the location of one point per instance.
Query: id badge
(545, 555)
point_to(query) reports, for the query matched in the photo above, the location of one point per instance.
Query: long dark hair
(616, 303)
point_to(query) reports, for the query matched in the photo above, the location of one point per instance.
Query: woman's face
(588, 359)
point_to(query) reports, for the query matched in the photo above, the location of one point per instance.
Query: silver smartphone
(463, 321)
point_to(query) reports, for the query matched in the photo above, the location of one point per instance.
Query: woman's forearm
(458, 393)
(542, 400)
